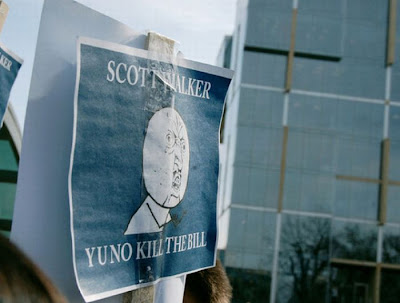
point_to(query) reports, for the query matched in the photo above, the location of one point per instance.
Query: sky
(198, 26)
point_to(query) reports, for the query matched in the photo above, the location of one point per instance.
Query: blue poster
(144, 167)
(9, 67)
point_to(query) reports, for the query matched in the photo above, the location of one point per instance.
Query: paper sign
(9, 67)
(144, 167)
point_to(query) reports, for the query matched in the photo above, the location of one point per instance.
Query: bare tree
(304, 258)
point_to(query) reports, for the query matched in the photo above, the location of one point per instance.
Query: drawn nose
(178, 160)
(179, 155)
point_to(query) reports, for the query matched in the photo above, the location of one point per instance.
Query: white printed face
(166, 158)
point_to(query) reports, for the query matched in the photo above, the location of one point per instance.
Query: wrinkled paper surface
(144, 167)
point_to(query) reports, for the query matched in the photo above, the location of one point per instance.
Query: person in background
(210, 285)
(21, 280)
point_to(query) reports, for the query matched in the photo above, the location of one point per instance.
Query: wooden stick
(3, 13)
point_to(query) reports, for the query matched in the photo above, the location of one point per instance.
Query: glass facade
(314, 168)
(8, 179)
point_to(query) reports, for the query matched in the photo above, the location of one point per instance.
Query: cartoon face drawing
(165, 171)
(166, 158)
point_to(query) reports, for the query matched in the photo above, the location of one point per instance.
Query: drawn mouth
(176, 183)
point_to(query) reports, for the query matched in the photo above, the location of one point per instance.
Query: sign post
(171, 290)
(3, 13)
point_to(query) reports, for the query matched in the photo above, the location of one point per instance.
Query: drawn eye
(183, 145)
(170, 139)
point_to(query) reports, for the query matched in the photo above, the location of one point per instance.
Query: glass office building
(310, 182)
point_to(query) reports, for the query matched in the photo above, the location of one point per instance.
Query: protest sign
(9, 67)
(144, 167)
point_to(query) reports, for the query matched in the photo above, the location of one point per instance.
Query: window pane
(395, 93)
(7, 196)
(303, 259)
(354, 241)
(361, 71)
(273, 4)
(351, 284)
(394, 119)
(260, 107)
(240, 187)
(7, 159)
(264, 187)
(391, 245)
(394, 134)
(272, 30)
(249, 285)
(312, 112)
(308, 192)
(6, 234)
(329, 138)
(350, 76)
(311, 151)
(394, 161)
(251, 239)
(367, 11)
(343, 117)
(366, 39)
(393, 204)
(360, 118)
(320, 27)
(266, 147)
(390, 286)
(258, 67)
(239, 216)
(243, 144)
(356, 200)
(358, 157)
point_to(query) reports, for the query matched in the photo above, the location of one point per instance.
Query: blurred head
(166, 158)
(21, 280)
(210, 285)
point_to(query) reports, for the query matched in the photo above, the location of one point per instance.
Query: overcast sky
(199, 27)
